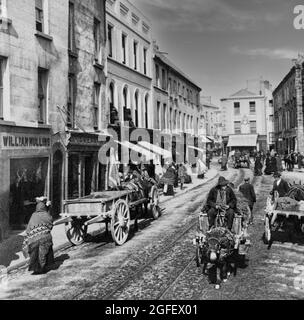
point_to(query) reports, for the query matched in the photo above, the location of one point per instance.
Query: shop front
(25, 173)
(76, 169)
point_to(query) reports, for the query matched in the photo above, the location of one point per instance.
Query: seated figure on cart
(221, 197)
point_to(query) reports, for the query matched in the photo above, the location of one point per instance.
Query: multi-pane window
(252, 108)
(157, 122)
(123, 46)
(145, 61)
(237, 127)
(96, 105)
(164, 84)
(146, 112)
(1, 87)
(71, 26)
(236, 108)
(253, 128)
(135, 45)
(42, 94)
(157, 75)
(39, 15)
(110, 40)
(136, 109)
(71, 102)
(97, 37)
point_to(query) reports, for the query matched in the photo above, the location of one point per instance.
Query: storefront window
(28, 180)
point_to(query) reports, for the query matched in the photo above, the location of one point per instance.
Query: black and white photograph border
(151, 152)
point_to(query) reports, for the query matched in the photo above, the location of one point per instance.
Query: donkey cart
(116, 208)
(219, 248)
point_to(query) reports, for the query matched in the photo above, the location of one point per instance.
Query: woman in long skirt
(38, 242)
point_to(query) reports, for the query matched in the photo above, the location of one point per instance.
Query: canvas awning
(156, 149)
(243, 140)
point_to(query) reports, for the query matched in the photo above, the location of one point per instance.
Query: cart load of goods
(287, 204)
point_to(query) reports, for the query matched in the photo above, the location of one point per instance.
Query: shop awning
(210, 138)
(148, 155)
(156, 149)
(243, 140)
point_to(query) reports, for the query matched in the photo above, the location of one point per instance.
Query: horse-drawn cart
(289, 220)
(109, 207)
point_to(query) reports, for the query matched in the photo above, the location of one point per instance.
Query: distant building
(247, 117)
(212, 116)
(288, 110)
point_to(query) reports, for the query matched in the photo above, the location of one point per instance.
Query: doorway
(57, 183)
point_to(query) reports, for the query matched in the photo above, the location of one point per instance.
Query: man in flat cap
(221, 197)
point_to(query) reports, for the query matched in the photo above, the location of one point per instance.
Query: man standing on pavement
(248, 192)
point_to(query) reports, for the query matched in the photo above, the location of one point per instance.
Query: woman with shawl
(168, 179)
(38, 241)
(258, 165)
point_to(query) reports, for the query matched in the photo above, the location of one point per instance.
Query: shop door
(57, 184)
(88, 175)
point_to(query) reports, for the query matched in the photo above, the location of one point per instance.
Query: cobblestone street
(158, 261)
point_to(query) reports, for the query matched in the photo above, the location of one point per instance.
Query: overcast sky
(222, 43)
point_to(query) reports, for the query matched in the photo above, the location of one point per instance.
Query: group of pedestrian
(175, 174)
(293, 158)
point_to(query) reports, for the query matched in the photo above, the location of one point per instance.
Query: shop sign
(84, 139)
(23, 141)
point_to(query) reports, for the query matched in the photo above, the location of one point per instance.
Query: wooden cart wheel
(76, 231)
(198, 256)
(120, 222)
(267, 234)
(153, 204)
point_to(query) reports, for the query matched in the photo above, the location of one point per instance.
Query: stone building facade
(129, 52)
(52, 95)
(288, 110)
(244, 118)
(176, 98)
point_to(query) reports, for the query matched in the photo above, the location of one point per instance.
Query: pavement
(11, 256)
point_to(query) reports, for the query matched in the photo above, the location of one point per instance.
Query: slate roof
(166, 61)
